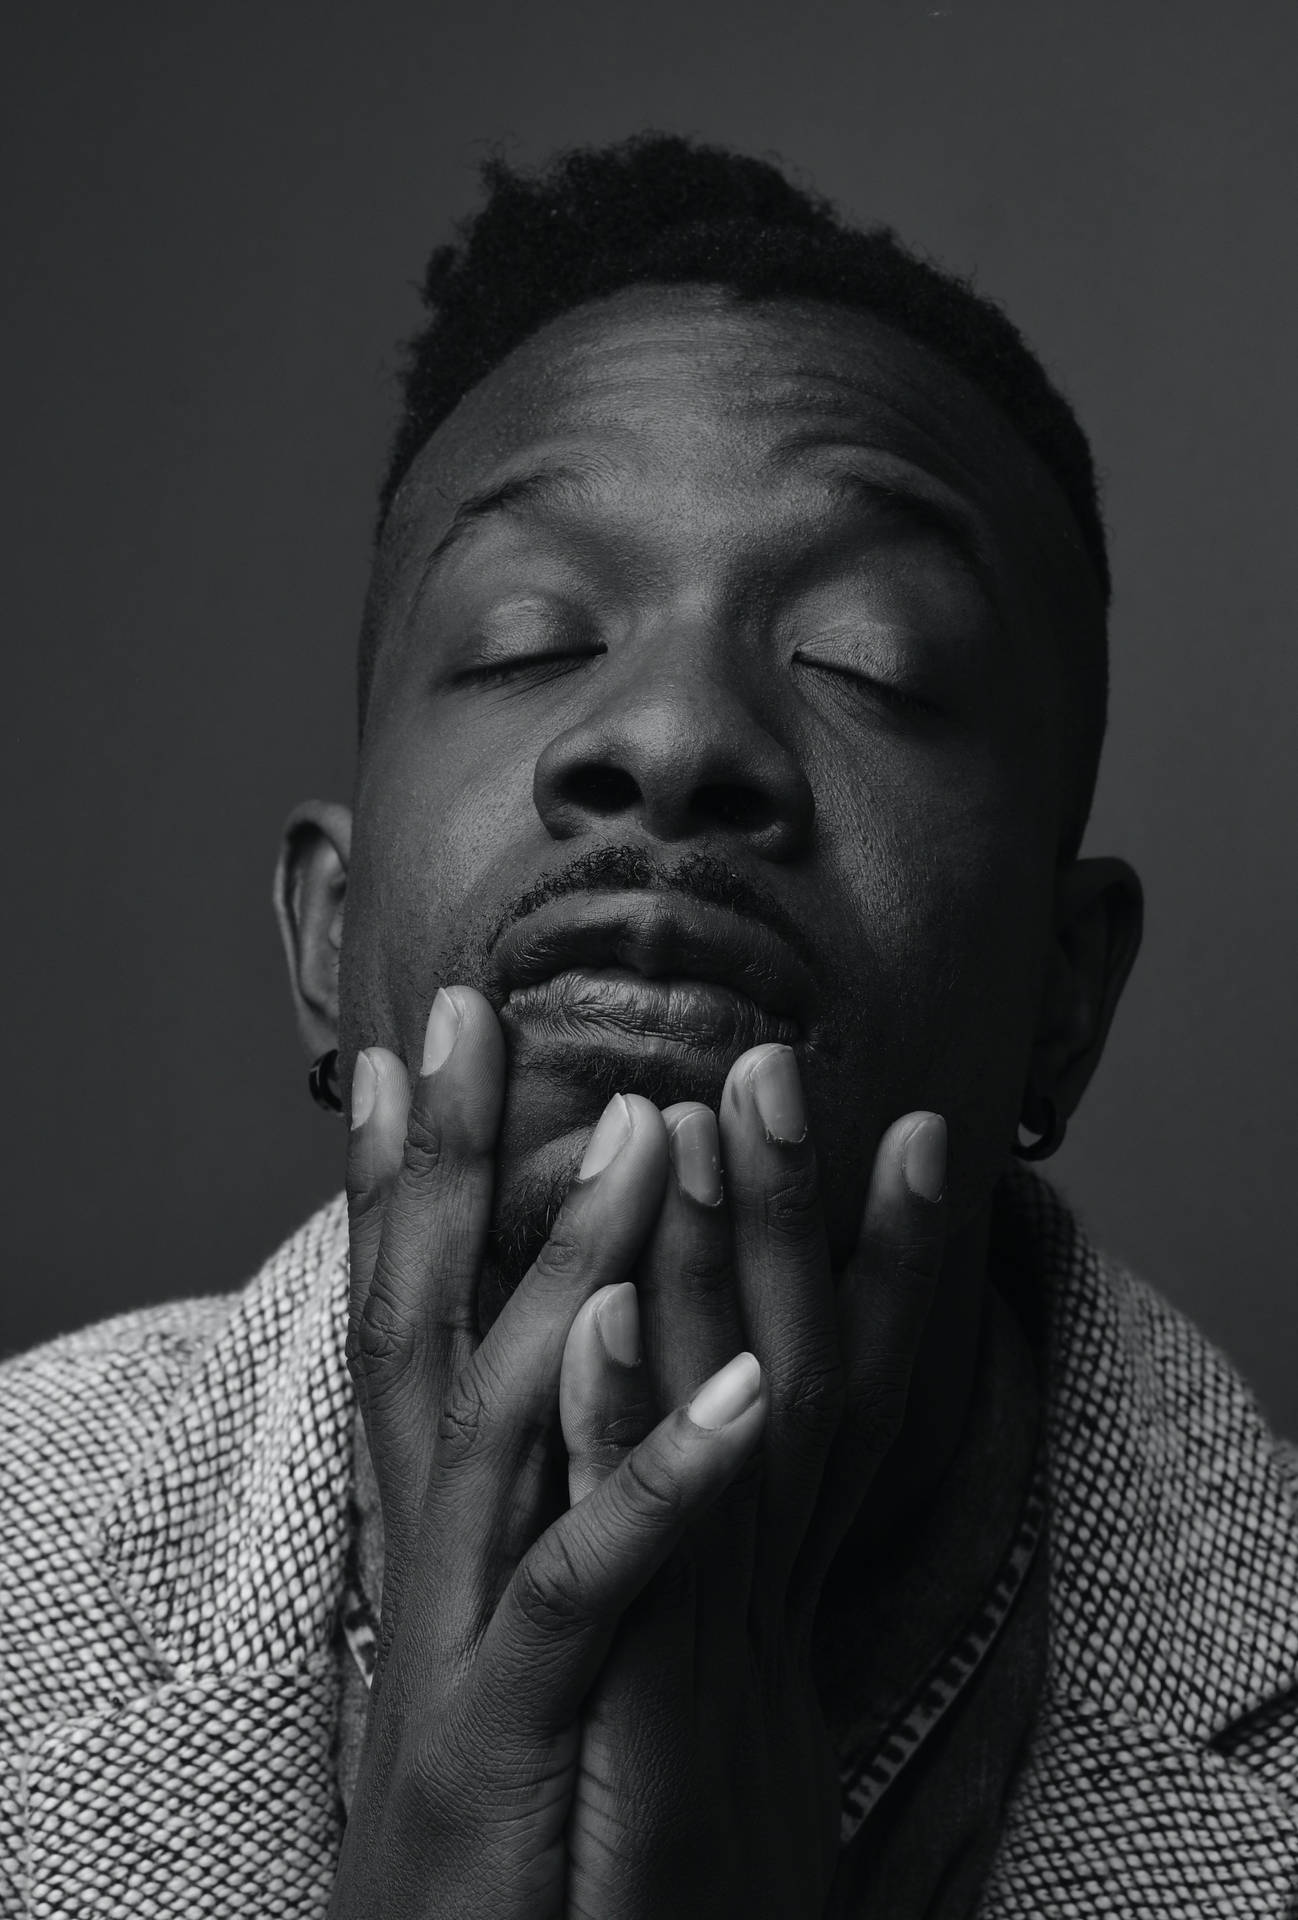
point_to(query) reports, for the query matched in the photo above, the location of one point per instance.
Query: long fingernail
(613, 1131)
(923, 1158)
(777, 1092)
(696, 1159)
(442, 1032)
(618, 1319)
(365, 1085)
(726, 1395)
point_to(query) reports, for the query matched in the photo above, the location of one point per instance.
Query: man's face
(757, 623)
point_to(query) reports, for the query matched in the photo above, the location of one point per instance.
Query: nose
(685, 753)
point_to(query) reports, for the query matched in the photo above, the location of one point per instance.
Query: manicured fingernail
(618, 1319)
(777, 1091)
(365, 1085)
(923, 1158)
(441, 1033)
(613, 1131)
(726, 1395)
(696, 1157)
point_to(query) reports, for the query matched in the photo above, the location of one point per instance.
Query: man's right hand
(498, 1605)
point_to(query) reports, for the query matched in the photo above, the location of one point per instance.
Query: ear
(1099, 917)
(310, 886)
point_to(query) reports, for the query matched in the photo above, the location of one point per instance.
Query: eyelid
(488, 670)
(894, 690)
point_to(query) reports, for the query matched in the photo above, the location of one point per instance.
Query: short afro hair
(662, 209)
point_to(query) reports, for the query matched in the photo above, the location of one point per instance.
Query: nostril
(601, 789)
(746, 808)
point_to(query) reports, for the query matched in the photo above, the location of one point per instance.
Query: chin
(551, 1106)
(531, 1183)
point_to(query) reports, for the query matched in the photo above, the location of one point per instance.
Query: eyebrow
(957, 527)
(545, 486)
(886, 497)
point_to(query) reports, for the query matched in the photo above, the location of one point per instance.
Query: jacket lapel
(214, 1789)
(1173, 1610)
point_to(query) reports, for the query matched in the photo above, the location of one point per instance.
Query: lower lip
(617, 1008)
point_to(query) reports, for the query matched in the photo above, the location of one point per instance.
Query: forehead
(670, 396)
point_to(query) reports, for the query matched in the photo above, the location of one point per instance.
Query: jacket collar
(1173, 1540)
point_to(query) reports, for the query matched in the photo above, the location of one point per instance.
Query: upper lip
(664, 936)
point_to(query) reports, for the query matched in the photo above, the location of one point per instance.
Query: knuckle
(605, 1443)
(877, 1413)
(813, 1401)
(354, 1356)
(652, 1490)
(563, 1258)
(365, 1197)
(547, 1587)
(791, 1200)
(424, 1152)
(709, 1276)
(918, 1258)
(622, 1428)
(426, 1790)
(381, 1337)
(462, 1419)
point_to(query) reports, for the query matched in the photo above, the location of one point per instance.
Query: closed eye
(890, 690)
(541, 665)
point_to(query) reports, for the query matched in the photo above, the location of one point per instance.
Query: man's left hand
(708, 1784)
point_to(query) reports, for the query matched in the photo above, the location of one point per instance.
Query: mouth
(650, 972)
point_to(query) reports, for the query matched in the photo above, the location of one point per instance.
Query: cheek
(951, 882)
(431, 819)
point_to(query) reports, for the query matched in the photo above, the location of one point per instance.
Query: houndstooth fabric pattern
(174, 1562)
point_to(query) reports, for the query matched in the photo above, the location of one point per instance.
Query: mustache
(695, 874)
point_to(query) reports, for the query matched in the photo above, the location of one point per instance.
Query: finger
(416, 1322)
(380, 1096)
(786, 1291)
(686, 1274)
(492, 1485)
(606, 1406)
(556, 1619)
(692, 1324)
(885, 1294)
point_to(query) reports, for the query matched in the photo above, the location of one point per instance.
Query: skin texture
(726, 611)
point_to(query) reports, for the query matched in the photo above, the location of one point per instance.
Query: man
(744, 1491)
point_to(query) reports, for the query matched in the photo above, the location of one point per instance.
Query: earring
(323, 1082)
(1050, 1140)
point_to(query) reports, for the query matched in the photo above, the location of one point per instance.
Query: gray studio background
(215, 216)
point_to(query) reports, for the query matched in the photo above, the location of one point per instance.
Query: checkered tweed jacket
(176, 1483)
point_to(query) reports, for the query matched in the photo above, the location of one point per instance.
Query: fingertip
(391, 1081)
(460, 1073)
(627, 1117)
(728, 1394)
(904, 1196)
(643, 1112)
(478, 1021)
(695, 1145)
(923, 1157)
(617, 1321)
(441, 1032)
(365, 1085)
(379, 1097)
